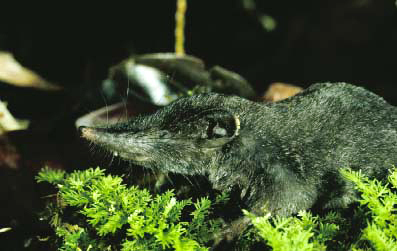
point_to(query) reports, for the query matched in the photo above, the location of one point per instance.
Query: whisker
(107, 108)
(169, 179)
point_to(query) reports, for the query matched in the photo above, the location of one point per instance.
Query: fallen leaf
(279, 91)
(13, 73)
(8, 122)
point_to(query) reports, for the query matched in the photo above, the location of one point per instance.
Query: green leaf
(52, 176)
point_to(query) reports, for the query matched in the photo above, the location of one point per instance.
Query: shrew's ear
(222, 127)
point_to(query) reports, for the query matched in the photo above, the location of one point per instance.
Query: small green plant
(108, 215)
(303, 233)
(377, 215)
(94, 211)
(381, 201)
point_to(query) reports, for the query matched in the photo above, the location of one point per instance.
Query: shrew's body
(284, 156)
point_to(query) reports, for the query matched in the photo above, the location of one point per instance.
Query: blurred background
(299, 42)
(265, 41)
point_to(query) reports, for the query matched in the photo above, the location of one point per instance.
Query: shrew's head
(188, 136)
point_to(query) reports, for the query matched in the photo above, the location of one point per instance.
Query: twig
(179, 27)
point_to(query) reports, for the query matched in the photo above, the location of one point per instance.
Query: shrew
(284, 156)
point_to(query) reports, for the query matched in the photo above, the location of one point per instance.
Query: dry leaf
(11, 72)
(279, 91)
(8, 122)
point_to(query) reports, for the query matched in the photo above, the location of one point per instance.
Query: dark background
(314, 41)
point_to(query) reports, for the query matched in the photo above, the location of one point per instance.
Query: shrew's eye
(216, 131)
(218, 127)
(213, 128)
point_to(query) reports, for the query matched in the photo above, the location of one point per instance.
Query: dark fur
(285, 156)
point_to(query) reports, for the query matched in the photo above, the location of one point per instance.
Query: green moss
(305, 232)
(94, 211)
(108, 215)
(376, 215)
(380, 202)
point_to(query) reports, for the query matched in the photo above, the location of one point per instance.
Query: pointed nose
(87, 133)
(81, 128)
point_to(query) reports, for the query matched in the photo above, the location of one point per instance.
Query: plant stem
(179, 28)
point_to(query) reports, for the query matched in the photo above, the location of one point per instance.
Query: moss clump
(380, 204)
(376, 214)
(94, 211)
(105, 214)
(305, 232)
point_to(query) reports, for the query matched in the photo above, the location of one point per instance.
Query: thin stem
(179, 28)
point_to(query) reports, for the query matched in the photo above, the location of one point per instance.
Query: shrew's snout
(88, 133)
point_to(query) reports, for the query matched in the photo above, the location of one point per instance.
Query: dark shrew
(283, 156)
